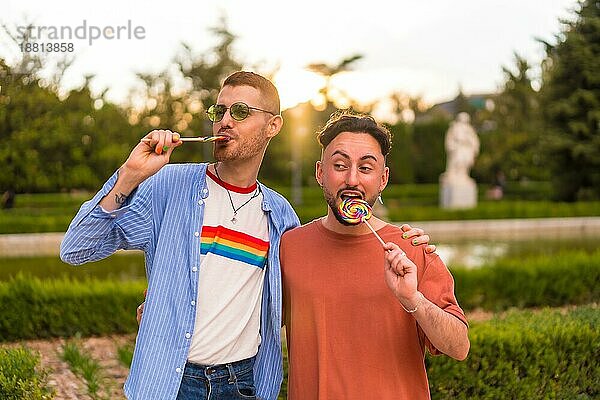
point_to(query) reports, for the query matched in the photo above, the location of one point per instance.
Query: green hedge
(408, 202)
(525, 355)
(401, 212)
(405, 210)
(21, 376)
(32, 308)
(569, 277)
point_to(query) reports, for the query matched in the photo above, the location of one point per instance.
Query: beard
(332, 202)
(243, 149)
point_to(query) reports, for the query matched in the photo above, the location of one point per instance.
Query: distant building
(479, 107)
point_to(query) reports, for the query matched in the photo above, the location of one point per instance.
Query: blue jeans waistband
(229, 370)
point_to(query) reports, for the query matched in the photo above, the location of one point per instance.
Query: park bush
(568, 277)
(34, 308)
(407, 202)
(21, 376)
(550, 354)
(401, 212)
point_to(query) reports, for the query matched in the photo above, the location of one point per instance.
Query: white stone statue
(457, 188)
(462, 146)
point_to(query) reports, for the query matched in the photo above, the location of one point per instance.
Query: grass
(118, 267)
(83, 365)
(125, 354)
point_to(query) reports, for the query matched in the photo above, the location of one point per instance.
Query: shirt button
(188, 335)
(193, 302)
(178, 370)
(205, 190)
(196, 234)
(194, 269)
(113, 215)
(200, 202)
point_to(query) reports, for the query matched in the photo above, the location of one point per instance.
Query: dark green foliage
(525, 355)
(570, 277)
(429, 155)
(491, 210)
(409, 202)
(400, 160)
(32, 308)
(54, 144)
(513, 146)
(571, 99)
(21, 376)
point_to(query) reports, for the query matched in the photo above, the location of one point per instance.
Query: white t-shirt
(232, 267)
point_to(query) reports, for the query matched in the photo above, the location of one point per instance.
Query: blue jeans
(218, 382)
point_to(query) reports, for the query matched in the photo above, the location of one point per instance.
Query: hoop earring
(380, 199)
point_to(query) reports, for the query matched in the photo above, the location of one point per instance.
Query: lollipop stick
(193, 139)
(375, 233)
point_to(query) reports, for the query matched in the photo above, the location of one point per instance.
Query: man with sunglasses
(210, 233)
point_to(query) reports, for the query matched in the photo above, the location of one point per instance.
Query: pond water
(480, 252)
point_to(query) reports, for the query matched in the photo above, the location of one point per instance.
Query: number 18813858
(47, 47)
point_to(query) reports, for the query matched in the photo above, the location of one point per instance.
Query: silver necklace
(235, 210)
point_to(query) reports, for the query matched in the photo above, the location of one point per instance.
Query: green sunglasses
(238, 111)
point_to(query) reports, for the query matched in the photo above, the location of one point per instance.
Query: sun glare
(297, 85)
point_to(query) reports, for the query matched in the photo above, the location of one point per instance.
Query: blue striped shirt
(163, 217)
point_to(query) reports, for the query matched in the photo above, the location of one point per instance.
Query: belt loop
(232, 377)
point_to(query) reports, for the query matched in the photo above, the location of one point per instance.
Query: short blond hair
(262, 84)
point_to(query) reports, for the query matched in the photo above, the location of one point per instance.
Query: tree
(49, 143)
(182, 109)
(514, 146)
(517, 107)
(328, 71)
(571, 102)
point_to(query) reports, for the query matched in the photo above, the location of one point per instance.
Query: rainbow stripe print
(234, 245)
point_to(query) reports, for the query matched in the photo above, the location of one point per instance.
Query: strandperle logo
(85, 31)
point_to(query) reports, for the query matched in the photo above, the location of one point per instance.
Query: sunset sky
(426, 48)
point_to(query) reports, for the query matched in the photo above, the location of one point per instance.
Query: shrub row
(525, 355)
(21, 376)
(34, 308)
(568, 277)
(408, 202)
(545, 354)
(399, 212)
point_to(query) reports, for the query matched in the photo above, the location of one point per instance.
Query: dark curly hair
(350, 121)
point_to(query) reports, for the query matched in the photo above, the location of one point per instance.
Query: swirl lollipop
(355, 211)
